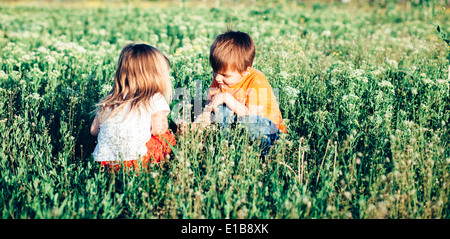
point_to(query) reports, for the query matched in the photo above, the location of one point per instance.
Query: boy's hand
(219, 99)
(226, 98)
(204, 119)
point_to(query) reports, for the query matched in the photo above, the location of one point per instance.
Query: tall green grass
(365, 96)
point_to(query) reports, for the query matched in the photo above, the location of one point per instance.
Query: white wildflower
(26, 57)
(349, 97)
(385, 83)
(441, 82)
(348, 195)
(105, 89)
(42, 49)
(284, 75)
(334, 81)
(50, 59)
(428, 81)
(54, 74)
(291, 92)
(408, 123)
(326, 33)
(3, 75)
(390, 62)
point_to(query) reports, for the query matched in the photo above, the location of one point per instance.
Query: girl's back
(123, 135)
(136, 107)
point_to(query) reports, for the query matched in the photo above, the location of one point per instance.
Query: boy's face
(228, 77)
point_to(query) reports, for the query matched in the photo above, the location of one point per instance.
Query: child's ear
(247, 71)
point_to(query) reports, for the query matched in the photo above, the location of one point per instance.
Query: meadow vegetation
(363, 90)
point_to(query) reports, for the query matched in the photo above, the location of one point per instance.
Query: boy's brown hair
(232, 50)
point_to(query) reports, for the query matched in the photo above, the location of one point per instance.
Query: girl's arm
(95, 127)
(159, 122)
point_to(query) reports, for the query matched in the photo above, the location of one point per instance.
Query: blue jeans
(258, 127)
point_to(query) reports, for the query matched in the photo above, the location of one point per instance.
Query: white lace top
(120, 139)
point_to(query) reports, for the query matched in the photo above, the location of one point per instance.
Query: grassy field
(364, 90)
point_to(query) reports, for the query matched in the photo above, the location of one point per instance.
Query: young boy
(239, 90)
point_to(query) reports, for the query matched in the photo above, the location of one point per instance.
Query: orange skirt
(157, 150)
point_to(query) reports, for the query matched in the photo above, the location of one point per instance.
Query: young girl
(132, 118)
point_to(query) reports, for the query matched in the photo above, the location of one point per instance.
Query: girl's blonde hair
(142, 71)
